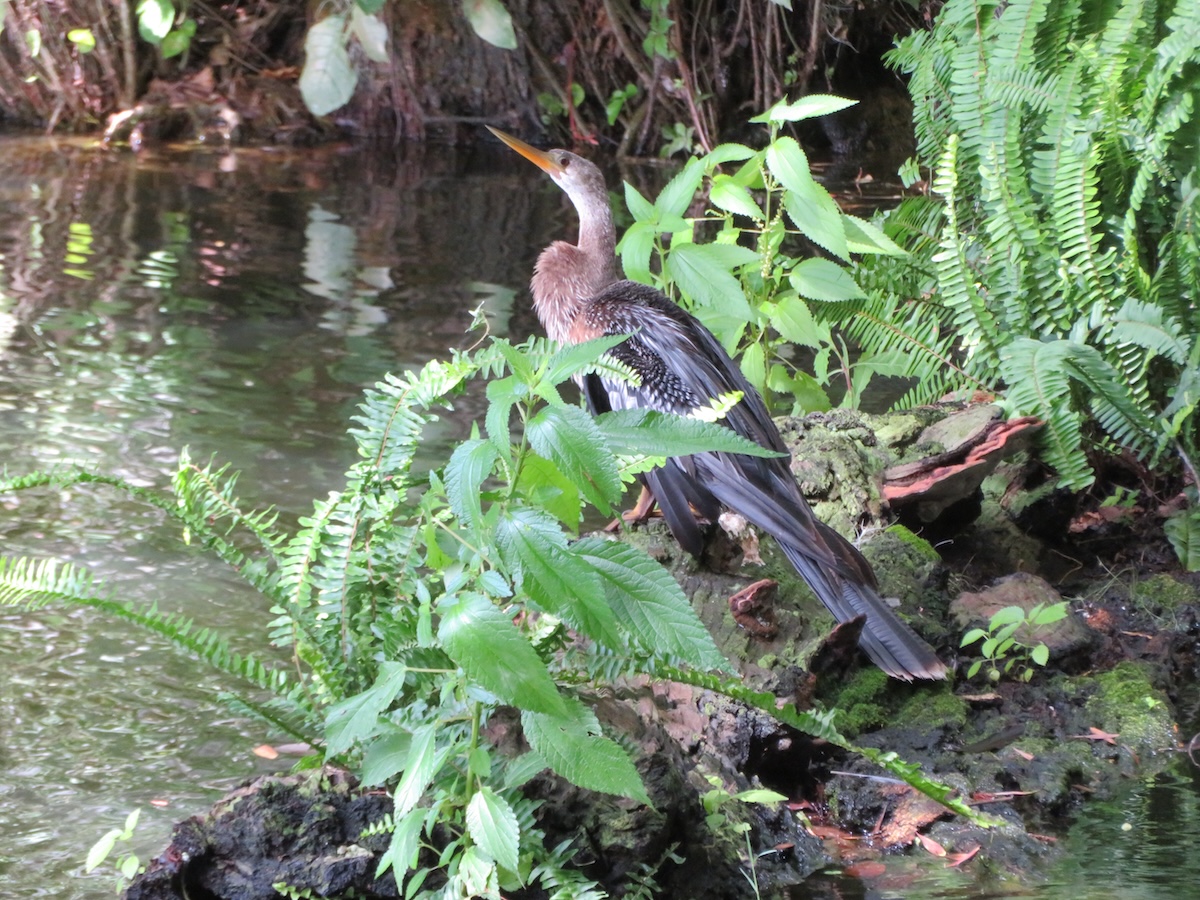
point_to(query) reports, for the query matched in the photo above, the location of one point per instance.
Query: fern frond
(33, 583)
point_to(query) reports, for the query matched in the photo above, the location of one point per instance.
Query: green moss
(921, 546)
(862, 703)
(1162, 592)
(933, 706)
(1125, 702)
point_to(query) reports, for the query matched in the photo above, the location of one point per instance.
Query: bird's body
(578, 295)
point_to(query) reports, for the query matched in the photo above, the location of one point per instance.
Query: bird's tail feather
(892, 645)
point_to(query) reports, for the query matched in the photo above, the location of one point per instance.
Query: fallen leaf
(996, 796)
(865, 869)
(266, 751)
(931, 846)
(161, 804)
(957, 859)
(1096, 734)
(1021, 753)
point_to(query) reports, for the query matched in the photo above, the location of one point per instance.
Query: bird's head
(580, 178)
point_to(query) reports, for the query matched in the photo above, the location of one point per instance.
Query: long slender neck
(567, 276)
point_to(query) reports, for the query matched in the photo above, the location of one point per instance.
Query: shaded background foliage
(644, 73)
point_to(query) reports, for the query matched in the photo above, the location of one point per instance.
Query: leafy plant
(1059, 261)
(721, 822)
(756, 300)
(127, 864)
(1003, 651)
(417, 604)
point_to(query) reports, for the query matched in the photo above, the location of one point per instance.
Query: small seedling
(720, 822)
(128, 864)
(1002, 651)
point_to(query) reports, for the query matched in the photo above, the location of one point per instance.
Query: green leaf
(639, 207)
(1183, 531)
(419, 768)
(754, 366)
(821, 279)
(356, 717)
(649, 604)
(573, 746)
(568, 436)
(553, 577)
(1040, 654)
(575, 358)
(83, 39)
(328, 79)
(759, 795)
(808, 107)
(1006, 616)
(470, 463)
(385, 757)
(864, 237)
(155, 18)
(544, 486)
(491, 22)
(101, 849)
(730, 196)
(723, 153)
(972, 636)
(676, 197)
(483, 641)
(650, 433)
(817, 217)
(636, 248)
(177, 42)
(703, 272)
(371, 33)
(493, 827)
(794, 321)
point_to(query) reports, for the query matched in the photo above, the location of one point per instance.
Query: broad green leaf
(1040, 654)
(730, 196)
(493, 827)
(754, 366)
(817, 217)
(821, 279)
(575, 358)
(419, 768)
(651, 433)
(568, 436)
(808, 107)
(636, 248)
(155, 18)
(483, 641)
(553, 576)
(385, 757)
(178, 41)
(703, 273)
(502, 395)
(573, 746)
(723, 153)
(794, 321)
(470, 463)
(357, 717)
(650, 604)
(401, 854)
(491, 22)
(759, 795)
(639, 207)
(1183, 531)
(789, 164)
(676, 197)
(328, 79)
(1006, 616)
(371, 32)
(101, 849)
(865, 237)
(541, 482)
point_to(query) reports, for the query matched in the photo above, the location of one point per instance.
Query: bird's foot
(642, 510)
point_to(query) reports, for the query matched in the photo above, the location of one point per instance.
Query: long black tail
(890, 643)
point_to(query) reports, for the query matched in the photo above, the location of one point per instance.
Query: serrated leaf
(639, 207)
(1040, 654)
(794, 321)
(730, 196)
(470, 463)
(723, 153)
(493, 827)
(544, 486)
(676, 197)
(568, 436)
(754, 366)
(357, 717)
(636, 248)
(649, 604)
(645, 432)
(553, 577)
(575, 358)
(865, 237)
(821, 279)
(703, 273)
(385, 757)
(371, 32)
(328, 79)
(492, 22)
(816, 215)
(419, 768)
(483, 641)
(808, 107)
(572, 745)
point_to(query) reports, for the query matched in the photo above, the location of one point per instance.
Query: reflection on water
(235, 305)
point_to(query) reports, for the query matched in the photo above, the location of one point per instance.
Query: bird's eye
(564, 161)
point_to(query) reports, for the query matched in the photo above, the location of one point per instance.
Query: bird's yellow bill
(539, 158)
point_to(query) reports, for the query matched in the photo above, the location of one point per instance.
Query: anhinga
(578, 295)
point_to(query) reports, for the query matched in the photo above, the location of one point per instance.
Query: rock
(1064, 638)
